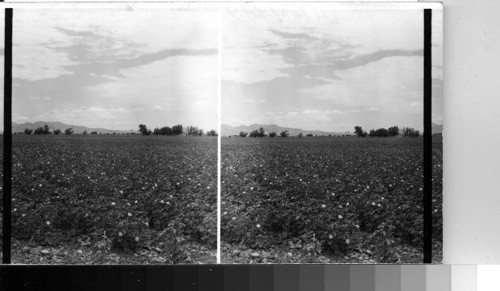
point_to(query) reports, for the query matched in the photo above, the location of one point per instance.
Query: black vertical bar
(427, 201)
(7, 139)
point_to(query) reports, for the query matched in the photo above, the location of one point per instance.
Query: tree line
(143, 129)
(175, 130)
(262, 133)
(46, 130)
(387, 132)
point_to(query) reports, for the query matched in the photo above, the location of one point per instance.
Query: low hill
(62, 126)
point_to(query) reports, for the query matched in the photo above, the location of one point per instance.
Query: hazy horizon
(328, 69)
(115, 68)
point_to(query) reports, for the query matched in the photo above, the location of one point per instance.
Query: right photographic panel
(322, 154)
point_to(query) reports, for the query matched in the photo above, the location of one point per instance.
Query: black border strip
(427, 199)
(7, 141)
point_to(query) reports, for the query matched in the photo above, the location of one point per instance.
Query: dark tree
(254, 133)
(258, 133)
(300, 134)
(212, 133)
(57, 131)
(393, 131)
(272, 134)
(284, 133)
(409, 132)
(194, 131)
(68, 131)
(177, 129)
(42, 130)
(143, 129)
(243, 134)
(28, 131)
(381, 132)
(359, 131)
(85, 132)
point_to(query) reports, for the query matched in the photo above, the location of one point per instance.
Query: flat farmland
(326, 199)
(106, 199)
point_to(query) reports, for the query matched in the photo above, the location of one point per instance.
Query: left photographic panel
(114, 135)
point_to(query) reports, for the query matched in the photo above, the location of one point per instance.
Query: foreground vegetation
(326, 200)
(114, 199)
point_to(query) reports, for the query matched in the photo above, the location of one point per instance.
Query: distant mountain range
(227, 130)
(62, 126)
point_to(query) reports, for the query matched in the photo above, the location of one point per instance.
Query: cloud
(251, 66)
(262, 45)
(49, 43)
(339, 112)
(326, 64)
(373, 109)
(38, 98)
(19, 118)
(119, 110)
(116, 67)
(386, 84)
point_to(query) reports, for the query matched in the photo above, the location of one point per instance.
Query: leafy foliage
(410, 132)
(258, 133)
(177, 129)
(393, 131)
(143, 129)
(329, 197)
(359, 131)
(381, 132)
(243, 134)
(42, 130)
(68, 131)
(117, 195)
(194, 131)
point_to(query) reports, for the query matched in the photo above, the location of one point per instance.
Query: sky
(115, 68)
(326, 69)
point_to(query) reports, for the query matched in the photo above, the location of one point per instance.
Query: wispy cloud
(332, 66)
(112, 66)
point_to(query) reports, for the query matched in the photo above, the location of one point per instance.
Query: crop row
(330, 196)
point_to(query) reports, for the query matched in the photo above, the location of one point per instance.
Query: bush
(212, 133)
(42, 130)
(410, 132)
(272, 134)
